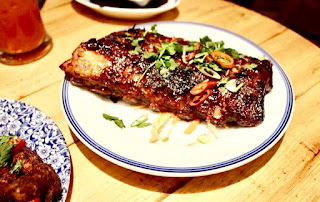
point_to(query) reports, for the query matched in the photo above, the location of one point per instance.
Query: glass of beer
(23, 38)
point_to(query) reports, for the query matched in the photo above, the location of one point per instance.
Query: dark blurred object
(246, 3)
(41, 2)
(128, 4)
(303, 16)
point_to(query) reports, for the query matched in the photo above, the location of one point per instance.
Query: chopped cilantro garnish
(158, 64)
(153, 29)
(197, 53)
(148, 55)
(5, 150)
(4, 139)
(164, 72)
(232, 52)
(135, 42)
(17, 167)
(127, 34)
(136, 50)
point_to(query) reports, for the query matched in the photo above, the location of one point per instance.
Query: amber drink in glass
(23, 38)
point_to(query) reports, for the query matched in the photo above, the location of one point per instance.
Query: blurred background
(303, 16)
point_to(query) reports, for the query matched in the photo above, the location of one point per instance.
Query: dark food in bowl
(194, 80)
(23, 175)
(128, 4)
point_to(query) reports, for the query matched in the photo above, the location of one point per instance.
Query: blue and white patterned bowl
(41, 135)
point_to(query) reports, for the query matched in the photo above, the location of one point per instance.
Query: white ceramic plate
(41, 134)
(130, 13)
(130, 147)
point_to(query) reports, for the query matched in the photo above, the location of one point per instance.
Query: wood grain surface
(287, 172)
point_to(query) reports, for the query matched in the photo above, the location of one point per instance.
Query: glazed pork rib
(117, 66)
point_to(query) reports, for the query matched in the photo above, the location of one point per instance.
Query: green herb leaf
(135, 42)
(164, 61)
(166, 57)
(109, 118)
(136, 50)
(205, 41)
(141, 122)
(127, 34)
(158, 64)
(208, 45)
(162, 50)
(17, 167)
(218, 45)
(115, 119)
(5, 150)
(119, 123)
(173, 65)
(250, 66)
(164, 72)
(232, 52)
(187, 68)
(148, 55)
(4, 139)
(171, 49)
(153, 29)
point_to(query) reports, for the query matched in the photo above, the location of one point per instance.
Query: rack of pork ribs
(108, 67)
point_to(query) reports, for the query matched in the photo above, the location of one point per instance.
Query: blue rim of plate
(273, 138)
(41, 134)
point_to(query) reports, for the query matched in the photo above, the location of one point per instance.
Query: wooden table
(289, 171)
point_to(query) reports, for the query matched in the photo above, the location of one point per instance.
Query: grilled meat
(108, 66)
(35, 180)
